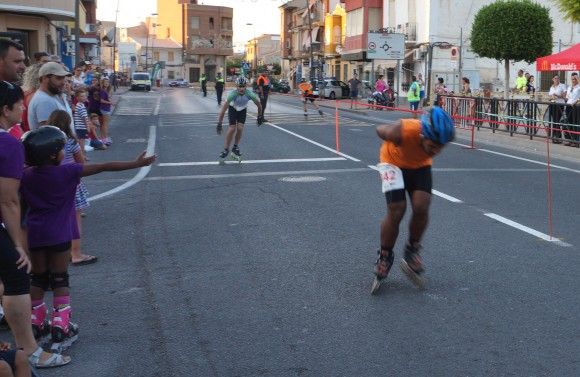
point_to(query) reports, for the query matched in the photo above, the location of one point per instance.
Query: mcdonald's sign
(544, 66)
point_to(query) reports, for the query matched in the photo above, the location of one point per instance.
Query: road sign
(386, 46)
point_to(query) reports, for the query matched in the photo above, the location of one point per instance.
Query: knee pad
(59, 280)
(40, 280)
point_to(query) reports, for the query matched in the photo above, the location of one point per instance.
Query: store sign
(386, 46)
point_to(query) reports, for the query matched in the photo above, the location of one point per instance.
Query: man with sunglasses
(49, 96)
(236, 104)
(405, 169)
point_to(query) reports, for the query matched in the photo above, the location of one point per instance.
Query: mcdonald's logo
(544, 65)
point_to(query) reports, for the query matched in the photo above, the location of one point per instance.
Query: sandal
(87, 259)
(55, 359)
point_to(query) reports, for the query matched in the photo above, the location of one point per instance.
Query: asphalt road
(264, 268)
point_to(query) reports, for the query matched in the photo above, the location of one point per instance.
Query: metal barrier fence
(558, 121)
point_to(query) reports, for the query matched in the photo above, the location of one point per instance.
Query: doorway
(193, 74)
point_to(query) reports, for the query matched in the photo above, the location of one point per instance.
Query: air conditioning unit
(418, 54)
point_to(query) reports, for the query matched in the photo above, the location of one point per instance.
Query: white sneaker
(88, 148)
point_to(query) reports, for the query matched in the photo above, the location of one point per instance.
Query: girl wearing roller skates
(236, 104)
(49, 190)
(406, 158)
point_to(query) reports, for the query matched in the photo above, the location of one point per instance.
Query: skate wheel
(416, 279)
(376, 286)
(221, 162)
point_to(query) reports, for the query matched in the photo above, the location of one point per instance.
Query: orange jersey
(305, 88)
(409, 154)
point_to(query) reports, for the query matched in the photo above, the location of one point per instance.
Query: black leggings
(16, 281)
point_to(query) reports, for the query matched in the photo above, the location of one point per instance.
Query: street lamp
(255, 60)
(147, 42)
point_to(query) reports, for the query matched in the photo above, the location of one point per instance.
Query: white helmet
(241, 81)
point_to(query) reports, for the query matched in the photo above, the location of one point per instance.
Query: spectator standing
(572, 111)
(440, 90)
(421, 83)
(353, 85)
(414, 95)
(89, 74)
(531, 85)
(105, 98)
(521, 81)
(30, 84)
(11, 60)
(380, 84)
(78, 77)
(49, 96)
(465, 86)
(14, 262)
(557, 95)
(41, 57)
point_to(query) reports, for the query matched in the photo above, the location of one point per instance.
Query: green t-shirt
(413, 94)
(240, 101)
(521, 82)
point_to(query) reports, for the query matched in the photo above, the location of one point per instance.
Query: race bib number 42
(391, 177)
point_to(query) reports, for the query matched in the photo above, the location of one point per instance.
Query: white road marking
(202, 163)
(156, 111)
(520, 158)
(255, 174)
(445, 196)
(526, 229)
(313, 142)
(139, 176)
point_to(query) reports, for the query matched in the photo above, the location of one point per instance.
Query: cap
(53, 68)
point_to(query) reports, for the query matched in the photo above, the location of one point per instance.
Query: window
(354, 22)
(156, 56)
(226, 23)
(375, 18)
(227, 41)
(194, 22)
(170, 56)
(211, 23)
(170, 75)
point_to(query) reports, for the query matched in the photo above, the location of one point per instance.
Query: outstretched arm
(390, 133)
(140, 161)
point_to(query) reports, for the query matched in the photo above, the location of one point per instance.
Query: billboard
(386, 46)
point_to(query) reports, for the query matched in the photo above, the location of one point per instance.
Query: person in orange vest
(263, 89)
(307, 93)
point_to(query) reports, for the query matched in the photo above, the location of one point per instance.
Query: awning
(567, 60)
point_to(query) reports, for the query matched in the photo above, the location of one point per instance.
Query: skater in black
(264, 89)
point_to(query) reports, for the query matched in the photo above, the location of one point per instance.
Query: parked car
(280, 86)
(332, 88)
(179, 83)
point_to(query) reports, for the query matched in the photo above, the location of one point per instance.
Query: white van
(141, 80)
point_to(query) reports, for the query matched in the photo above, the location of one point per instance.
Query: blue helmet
(437, 125)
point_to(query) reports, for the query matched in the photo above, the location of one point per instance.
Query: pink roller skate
(40, 324)
(64, 332)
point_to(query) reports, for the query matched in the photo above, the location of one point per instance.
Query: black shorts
(59, 248)
(16, 281)
(236, 116)
(82, 133)
(10, 358)
(414, 179)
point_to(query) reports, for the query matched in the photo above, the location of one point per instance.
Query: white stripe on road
(256, 174)
(203, 163)
(520, 158)
(313, 142)
(526, 229)
(156, 111)
(139, 176)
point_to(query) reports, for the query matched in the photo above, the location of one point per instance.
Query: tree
(516, 30)
(570, 9)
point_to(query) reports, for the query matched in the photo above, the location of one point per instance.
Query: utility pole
(311, 65)
(460, 63)
(77, 32)
(115, 37)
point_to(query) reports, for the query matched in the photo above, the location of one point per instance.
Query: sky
(263, 14)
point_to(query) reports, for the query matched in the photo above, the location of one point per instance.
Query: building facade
(263, 50)
(204, 31)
